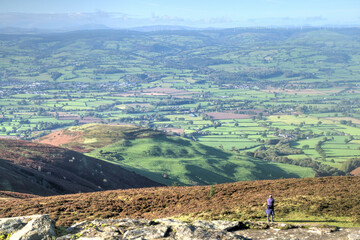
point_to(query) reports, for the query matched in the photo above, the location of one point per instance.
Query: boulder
(152, 232)
(170, 222)
(92, 232)
(256, 225)
(218, 225)
(39, 227)
(10, 225)
(77, 227)
(127, 223)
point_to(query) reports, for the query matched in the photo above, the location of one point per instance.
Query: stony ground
(42, 227)
(300, 233)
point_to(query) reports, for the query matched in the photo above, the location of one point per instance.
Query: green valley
(248, 103)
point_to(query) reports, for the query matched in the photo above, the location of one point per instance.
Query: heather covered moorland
(40, 169)
(326, 200)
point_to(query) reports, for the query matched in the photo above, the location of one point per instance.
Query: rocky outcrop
(35, 227)
(42, 227)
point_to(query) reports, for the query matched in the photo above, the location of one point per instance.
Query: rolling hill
(41, 169)
(168, 159)
(327, 200)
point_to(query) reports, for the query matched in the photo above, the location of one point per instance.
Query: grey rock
(257, 225)
(353, 236)
(323, 230)
(107, 233)
(105, 228)
(218, 224)
(126, 222)
(187, 232)
(170, 222)
(9, 225)
(283, 226)
(98, 229)
(77, 227)
(184, 232)
(40, 227)
(152, 232)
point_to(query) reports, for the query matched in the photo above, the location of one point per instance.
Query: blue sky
(193, 13)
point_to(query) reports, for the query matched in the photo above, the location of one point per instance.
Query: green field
(276, 94)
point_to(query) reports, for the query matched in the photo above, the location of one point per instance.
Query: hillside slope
(9, 195)
(333, 200)
(168, 159)
(41, 169)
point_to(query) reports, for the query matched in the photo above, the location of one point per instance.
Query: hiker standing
(270, 208)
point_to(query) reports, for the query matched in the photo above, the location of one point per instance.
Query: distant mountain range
(17, 30)
(164, 28)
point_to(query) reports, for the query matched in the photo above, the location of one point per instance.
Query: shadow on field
(204, 176)
(265, 170)
(177, 141)
(151, 175)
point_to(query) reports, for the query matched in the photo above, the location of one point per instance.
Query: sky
(192, 13)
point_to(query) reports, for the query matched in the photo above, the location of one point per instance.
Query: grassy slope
(200, 165)
(185, 162)
(330, 200)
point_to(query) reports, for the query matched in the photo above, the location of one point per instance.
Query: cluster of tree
(320, 150)
(321, 170)
(350, 164)
(263, 73)
(348, 123)
(136, 78)
(55, 75)
(195, 63)
(145, 118)
(112, 156)
(280, 151)
(223, 77)
(337, 57)
(50, 125)
(22, 102)
(141, 78)
(106, 107)
(276, 148)
(175, 102)
(108, 70)
(156, 151)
